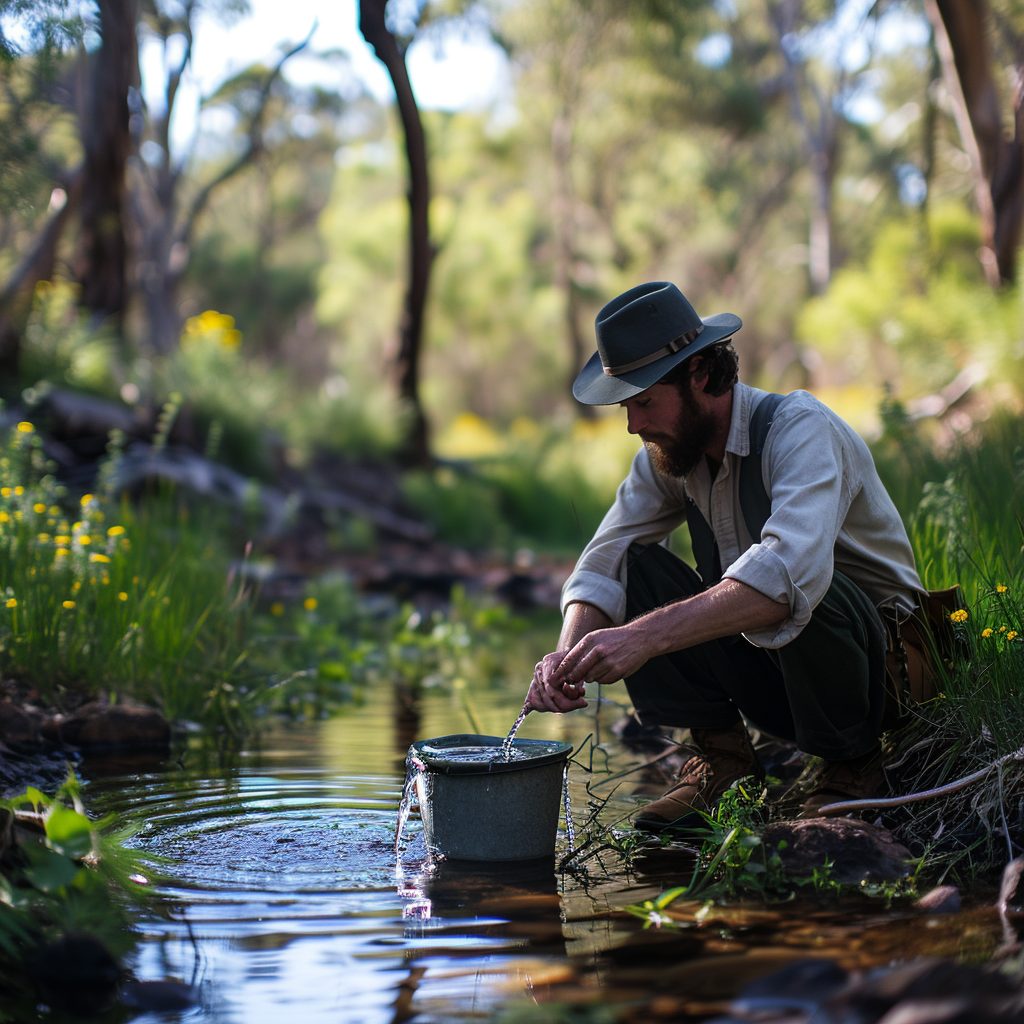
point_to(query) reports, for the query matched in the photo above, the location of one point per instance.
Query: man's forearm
(580, 619)
(604, 655)
(728, 608)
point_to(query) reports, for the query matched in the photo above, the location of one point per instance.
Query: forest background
(317, 277)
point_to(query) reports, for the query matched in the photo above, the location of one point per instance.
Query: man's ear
(698, 371)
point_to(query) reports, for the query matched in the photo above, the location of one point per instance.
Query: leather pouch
(918, 645)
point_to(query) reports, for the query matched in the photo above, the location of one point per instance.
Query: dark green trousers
(824, 689)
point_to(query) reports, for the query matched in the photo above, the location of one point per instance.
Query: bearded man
(799, 552)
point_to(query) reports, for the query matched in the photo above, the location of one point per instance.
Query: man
(797, 542)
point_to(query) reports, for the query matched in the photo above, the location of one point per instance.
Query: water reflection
(284, 897)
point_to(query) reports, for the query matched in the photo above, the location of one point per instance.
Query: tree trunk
(561, 152)
(106, 141)
(421, 250)
(16, 297)
(960, 29)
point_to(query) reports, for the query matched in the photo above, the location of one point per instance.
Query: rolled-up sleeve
(648, 507)
(805, 468)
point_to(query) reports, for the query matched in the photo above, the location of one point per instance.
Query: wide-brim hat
(641, 335)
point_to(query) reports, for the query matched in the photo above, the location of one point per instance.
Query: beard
(678, 453)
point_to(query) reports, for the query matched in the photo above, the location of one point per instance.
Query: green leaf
(69, 832)
(49, 870)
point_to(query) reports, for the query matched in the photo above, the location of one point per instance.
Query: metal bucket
(491, 809)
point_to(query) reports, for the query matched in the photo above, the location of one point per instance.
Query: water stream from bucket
(506, 747)
(415, 775)
(570, 828)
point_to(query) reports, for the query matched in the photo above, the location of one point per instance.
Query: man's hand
(545, 694)
(603, 656)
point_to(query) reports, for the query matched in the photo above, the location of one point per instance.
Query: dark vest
(754, 499)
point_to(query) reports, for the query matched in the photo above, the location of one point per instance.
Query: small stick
(925, 794)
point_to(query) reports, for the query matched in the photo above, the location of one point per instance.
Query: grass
(965, 513)
(98, 597)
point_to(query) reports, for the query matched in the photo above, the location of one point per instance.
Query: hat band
(673, 346)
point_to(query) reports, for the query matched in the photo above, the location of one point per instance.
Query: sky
(470, 71)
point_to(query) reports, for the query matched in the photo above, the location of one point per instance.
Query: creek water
(283, 897)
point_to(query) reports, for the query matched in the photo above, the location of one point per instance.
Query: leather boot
(855, 779)
(724, 756)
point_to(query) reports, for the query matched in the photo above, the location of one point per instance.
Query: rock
(108, 726)
(1011, 891)
(943, 899)
(19, 728)
(922, 991)
(858, 851)
(75, 973)
(159, 996)
(800, 986)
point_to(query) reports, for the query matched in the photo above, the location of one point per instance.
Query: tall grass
(967, 529)
(96, 597)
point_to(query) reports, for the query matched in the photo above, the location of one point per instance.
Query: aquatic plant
(63, 876)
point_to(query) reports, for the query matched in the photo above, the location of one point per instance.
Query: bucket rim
(554, 751)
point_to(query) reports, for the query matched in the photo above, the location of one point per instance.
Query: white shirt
(829, 511)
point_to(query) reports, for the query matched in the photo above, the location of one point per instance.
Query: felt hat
(641, 335)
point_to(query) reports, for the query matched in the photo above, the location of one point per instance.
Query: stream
(283, 899)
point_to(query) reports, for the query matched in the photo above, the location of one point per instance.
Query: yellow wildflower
(309, 604)
(86, 539)
(12, 602)
(1012, 635)
(77, 526)
(97, 557)
(986, 632)
(1001, 588)
(39, 508)
(115, 531)
(4, 517)
(277, 608)
(62, 538)
(86, 498)
(61, 552)
(19, 491)
(43, 538)
(76, 586)
(25, 427)
(122, 596)
(960, 615)
(69, 605)
(1002, 629)
(105, 580)
(54, 510)
(6, 491)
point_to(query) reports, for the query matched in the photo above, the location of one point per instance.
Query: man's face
(675, 429)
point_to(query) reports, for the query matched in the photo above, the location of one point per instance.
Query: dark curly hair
(719, 361)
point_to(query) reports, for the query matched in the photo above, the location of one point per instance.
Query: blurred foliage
(70, 878)
(918, 312)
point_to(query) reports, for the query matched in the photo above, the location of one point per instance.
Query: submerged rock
(943, 899)
(857, 851)
(924, 991)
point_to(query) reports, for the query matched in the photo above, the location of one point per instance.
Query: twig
(925, 794)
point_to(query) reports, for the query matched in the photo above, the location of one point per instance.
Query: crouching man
(798, 547)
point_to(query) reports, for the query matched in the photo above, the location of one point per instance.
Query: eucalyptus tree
(981, 47)
(40, 157)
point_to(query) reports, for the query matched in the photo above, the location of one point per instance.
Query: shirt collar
(738, 441)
